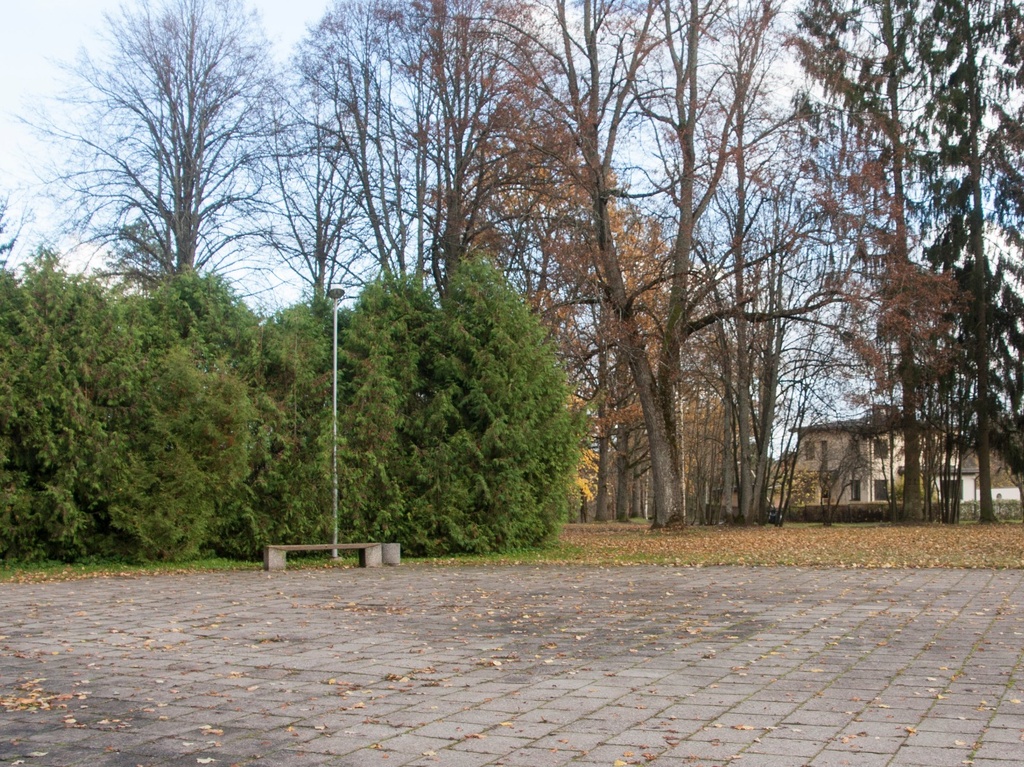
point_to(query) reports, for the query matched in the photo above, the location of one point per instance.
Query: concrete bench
(370, 554)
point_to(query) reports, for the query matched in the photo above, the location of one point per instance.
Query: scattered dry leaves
(963, 546)
(30, 695)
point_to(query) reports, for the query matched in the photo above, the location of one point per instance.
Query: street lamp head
(336, 293)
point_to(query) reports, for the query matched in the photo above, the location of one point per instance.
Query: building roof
(871, 424)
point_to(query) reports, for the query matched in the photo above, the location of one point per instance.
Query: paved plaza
(531, 666)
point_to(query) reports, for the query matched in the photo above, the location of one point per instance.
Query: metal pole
(336, 294)
(334, 441)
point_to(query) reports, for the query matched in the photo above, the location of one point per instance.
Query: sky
(41, 33)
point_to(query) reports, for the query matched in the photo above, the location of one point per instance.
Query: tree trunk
(979, 288)
(768, 402)
(728, 461)
(664, 479)
(602, 511)
(622, 473)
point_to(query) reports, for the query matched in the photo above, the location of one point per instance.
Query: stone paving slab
(537, 666)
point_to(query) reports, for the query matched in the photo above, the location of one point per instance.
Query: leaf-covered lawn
(969, 545)
(996, 546)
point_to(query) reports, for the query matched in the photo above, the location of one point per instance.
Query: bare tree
(588, 68)
(348, 60)
(432, 118)
(312, 204)
(165, 133)
(767, 211)
(472, 122)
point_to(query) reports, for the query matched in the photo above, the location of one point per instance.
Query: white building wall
(972, 491)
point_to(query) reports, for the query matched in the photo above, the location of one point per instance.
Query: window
(881, 449)
(854, 489)
(809, 450)
(881, 490)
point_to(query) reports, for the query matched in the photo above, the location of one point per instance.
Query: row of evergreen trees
(177, 423)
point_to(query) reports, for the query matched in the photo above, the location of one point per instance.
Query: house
(860, 460)
(850, 461)
(1003, 487)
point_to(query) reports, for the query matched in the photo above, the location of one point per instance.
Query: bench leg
(370, 556)
(392, 553)
(274, 559)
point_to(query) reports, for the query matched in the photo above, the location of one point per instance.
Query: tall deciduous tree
(426, 108)
(348, 62)
(473, 123)
(589, 71)
(616, 74)
(311, 205)
(766, 214)
(165, 130)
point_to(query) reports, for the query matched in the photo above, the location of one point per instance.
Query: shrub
(456, 435)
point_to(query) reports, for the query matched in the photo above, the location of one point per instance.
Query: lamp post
(335, 295)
